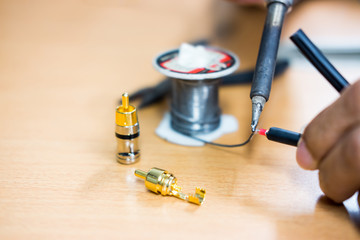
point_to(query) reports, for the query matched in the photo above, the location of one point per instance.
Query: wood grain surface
(63, 67)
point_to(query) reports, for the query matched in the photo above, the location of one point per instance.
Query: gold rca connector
(162, 182)
(127, 132)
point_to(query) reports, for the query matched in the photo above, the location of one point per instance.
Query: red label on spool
(219, 61)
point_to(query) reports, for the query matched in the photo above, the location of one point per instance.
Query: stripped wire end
(262, 131)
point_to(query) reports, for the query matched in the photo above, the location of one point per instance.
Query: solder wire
(224, 145)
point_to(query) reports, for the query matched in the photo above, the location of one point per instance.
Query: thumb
(304, 157)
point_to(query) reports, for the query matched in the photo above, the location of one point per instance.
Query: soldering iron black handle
(317, 58)
(265, 64)
(283, 136)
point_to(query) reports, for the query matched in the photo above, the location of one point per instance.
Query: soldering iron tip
(253, 126)
(258, 103)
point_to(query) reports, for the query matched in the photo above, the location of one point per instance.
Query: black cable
(224, 145)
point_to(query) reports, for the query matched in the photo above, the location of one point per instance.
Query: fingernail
(304, 158)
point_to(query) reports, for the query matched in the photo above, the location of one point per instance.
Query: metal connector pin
(162, 182)
(127, 132)
(125, 101)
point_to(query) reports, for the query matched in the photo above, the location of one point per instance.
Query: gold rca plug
(162, 182)
(127, 132)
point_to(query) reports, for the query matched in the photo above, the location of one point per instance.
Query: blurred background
(63, 67)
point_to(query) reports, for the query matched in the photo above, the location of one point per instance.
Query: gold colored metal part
(125, 101)
(127, 132)
(162, 182)
(126, 114)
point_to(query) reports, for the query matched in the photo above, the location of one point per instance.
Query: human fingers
(339, 171)
(328, 127)
(304, 158)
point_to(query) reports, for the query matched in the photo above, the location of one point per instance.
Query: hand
(331, 143)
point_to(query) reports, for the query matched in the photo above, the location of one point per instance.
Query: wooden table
(64, 66)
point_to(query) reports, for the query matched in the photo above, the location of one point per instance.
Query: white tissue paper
(195, 56)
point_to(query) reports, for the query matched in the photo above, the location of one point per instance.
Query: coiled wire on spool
(194, 102)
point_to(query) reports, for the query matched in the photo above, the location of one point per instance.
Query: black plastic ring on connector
(127, 137)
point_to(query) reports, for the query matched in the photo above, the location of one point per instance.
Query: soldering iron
(265, 65)
(323, 65)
